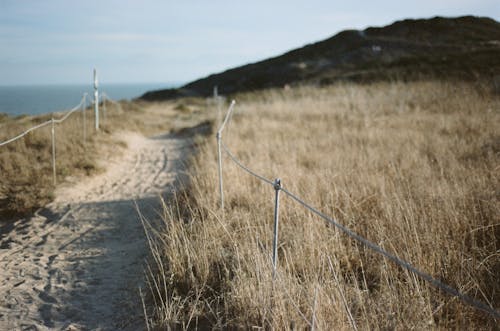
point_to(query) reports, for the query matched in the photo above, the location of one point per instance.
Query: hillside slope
(464, 47)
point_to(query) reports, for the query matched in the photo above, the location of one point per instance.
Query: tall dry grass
(412, 167)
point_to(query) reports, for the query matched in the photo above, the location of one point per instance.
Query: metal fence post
(219, 153)
(53, 151)
(277, 189)
(219, 157)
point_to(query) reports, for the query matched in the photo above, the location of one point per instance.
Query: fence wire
(402, 263)
(72, 110)
(406, 265)
(248, 170)
(106, 97)
(41, 125)
(62, 119)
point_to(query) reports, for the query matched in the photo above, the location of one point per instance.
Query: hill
(464, 47)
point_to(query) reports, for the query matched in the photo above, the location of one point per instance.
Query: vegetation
(412, 167)
(26, 182)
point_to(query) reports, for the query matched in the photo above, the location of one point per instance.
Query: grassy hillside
(412, 167)
(464, 47)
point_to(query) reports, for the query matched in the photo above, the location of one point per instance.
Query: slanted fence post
(219, 153)
(219, 157)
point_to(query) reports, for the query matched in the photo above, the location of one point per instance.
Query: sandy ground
(78, 263)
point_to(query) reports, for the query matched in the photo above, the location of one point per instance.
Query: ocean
(33, 100)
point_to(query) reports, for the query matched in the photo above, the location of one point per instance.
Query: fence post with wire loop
(53, 151)
(219, 159)
(277, 189)
(219, 153)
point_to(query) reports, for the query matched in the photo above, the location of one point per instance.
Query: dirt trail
(78, 264)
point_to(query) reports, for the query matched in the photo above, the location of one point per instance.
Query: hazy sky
(60, 41)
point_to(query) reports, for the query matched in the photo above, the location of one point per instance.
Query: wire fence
(83, 105)
(277, 186)
(41, 125)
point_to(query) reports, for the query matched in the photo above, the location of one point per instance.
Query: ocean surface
(32, 100)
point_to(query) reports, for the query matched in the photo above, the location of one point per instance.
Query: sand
(78, 263)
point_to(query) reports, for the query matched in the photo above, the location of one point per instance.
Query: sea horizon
(36, 99)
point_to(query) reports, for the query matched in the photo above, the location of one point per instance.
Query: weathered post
(219, 153)
(277, 189)
(219, 159)
(96, 100)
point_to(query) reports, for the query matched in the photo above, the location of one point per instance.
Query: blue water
(32, 100)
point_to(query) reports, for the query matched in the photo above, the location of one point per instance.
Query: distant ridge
(464, 47)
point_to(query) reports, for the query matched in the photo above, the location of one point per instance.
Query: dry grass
(412, 167)
(26, 180)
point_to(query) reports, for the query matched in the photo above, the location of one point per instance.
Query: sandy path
(78, 263)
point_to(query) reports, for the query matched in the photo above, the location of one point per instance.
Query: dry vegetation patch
(26, 181)
(412, 167)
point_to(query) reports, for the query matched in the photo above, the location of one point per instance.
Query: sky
(148, 41)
